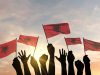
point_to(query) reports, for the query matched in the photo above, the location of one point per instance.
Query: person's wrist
(52, 55)
(43, 63)
(70, 62)
(63, 63)
(24, 63)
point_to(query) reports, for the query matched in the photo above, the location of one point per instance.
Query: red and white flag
(28, 40)
(7, 48)
(91, 45)
(73, 41)
(55, 29)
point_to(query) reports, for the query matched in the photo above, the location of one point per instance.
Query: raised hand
(24, 60)
(62, 58)
(23, 57)
(79, 65)
(51, 49)
(34, 64)
(43, 59)
(70, 57)
(87, 65)
(17, 66)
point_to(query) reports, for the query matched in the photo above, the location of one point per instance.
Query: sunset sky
(25, 17)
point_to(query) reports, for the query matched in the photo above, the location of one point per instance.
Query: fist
(70, 57)
(51, 49)
(43, 59)
(86, 59)
(79, 65)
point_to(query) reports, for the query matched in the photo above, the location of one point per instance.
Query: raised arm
(87, 65)
(17, 66)
(51, 51)
(70, 59)
(80, 66)
(62, 60)
(24, 60)
(34, 64)
(43, 60)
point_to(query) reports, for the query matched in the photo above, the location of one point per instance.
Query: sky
(25, 17)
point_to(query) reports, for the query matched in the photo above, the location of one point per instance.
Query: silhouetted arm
(43, 60)
(34, 64)
(51, 51)
(17, 66)
(62, 60)
(80, 66)
(70, 59)
(87, 65)
(24, 60)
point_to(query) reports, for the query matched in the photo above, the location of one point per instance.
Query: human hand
(33, 62)
(70, 57)
(43, 59)
(86, 59)
(62, 58)
(23, 57)
(79, 65)
(16, 64)
(51, 49)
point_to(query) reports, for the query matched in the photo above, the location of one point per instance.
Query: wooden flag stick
(16, 47)
(45, 35)
(66, 45)
(84, 46)
(35, 47)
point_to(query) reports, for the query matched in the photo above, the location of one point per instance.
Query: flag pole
(84, 46)
(67, 45)
(16, 47)
(45, 35)
(35, 47)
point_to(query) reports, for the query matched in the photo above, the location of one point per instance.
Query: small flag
(28, 40)
(73, 41)
(55, 29)
(91, 45)
(7, 48)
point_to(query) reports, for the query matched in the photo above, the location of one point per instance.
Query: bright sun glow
(36, 57)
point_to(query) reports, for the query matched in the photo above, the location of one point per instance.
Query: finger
(28, 56)
(19, 53)
(22, 52)
(19, 57)
(60, 52)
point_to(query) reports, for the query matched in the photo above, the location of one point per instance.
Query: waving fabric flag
(91, 45)
(28, 40)
(7, 48)
(73, 41)
(55, 29)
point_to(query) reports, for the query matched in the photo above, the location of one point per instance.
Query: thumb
(57, 58)
(28, 56)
